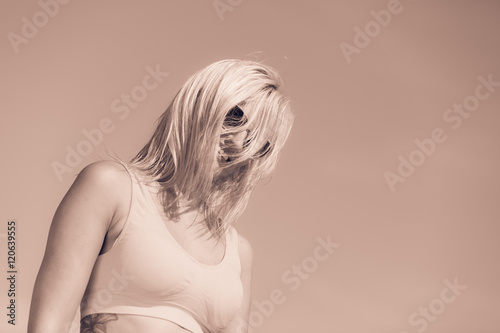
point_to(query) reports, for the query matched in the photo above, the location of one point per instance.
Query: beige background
(353, 121)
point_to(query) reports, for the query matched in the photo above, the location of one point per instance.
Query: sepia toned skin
(86, 223)
(219, 137)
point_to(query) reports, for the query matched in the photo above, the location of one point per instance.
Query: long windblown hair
(191, 156)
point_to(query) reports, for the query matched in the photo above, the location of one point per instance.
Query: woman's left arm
(240, 322)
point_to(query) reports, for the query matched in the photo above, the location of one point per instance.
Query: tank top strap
(232, 248)
(139, 206)
(234, 238)
(133, 191)
(133, 176)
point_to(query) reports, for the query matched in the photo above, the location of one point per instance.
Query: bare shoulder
(108, 177)
(79, 226)
(104, 172)
(106, 183)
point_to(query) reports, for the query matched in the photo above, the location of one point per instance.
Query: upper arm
(240, 323)
(75, 238)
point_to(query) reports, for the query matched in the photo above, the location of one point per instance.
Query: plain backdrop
(358, 115)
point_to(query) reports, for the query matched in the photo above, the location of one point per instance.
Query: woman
(148, 246)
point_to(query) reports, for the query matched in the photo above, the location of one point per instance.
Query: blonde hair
(181, 157)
